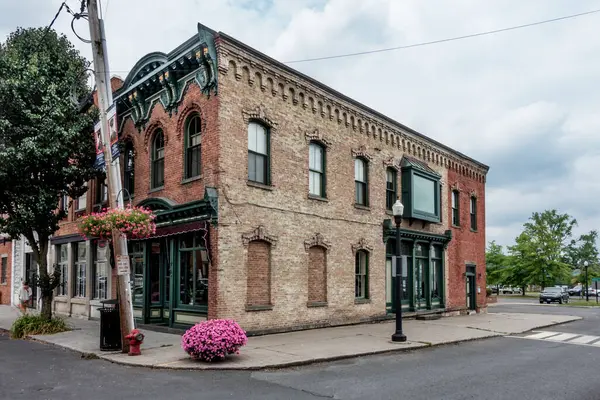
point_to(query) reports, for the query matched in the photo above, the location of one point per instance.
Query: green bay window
(316, 170)
(193, 272)
(158, 160)
(391, 191)
(421, 191)
(258, 154)
(193, 147)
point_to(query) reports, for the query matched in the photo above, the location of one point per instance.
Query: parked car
(591, 291)
(552, 294)
(575, 290)
(510, 290)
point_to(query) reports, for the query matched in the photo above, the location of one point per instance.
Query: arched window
(129, 170)
(473, 212)
(158, 160)
(193, 146)
(316, 170)
(361, 275)
(361, 182)
(258, 154)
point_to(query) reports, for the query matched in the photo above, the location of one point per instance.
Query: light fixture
(398, 208)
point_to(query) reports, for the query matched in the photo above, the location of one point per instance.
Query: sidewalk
(163, 350)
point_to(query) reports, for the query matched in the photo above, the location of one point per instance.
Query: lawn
(573, 303)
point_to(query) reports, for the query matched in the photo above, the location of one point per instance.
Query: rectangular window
(193, 272)
(361, 182)
(258, 156)
(437, 273)
(193, 155)
(455, 208)
(424, 194)
(62, 259)
(80, 269)
(390, 189)
(473, 212)
(82, 200)
(4, 270)
(101, 191)
(65, 203)
(421, 194)
(361, 275)
(100, 273)
(316, 170)
(137, 271)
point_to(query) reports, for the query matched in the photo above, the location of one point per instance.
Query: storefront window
(80, 269)
(155, 261)
(437, 272)
(63, 264)
(100, 274)
(193, 271)
(137, 271)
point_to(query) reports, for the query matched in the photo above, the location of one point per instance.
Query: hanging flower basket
(133, 222)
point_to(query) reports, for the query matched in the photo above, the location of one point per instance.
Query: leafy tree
(584, 249)
(496, 264)
(46, 142)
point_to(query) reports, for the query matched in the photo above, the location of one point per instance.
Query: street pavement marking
(585, 339)
(542, 335)
(563, 337)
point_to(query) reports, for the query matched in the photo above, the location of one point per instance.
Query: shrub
(213, 339)
(488, 292)
(30, 324)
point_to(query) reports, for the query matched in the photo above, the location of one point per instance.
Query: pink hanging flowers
(133, 222)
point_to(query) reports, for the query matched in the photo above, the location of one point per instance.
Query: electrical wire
(63, 5)
(444, 40)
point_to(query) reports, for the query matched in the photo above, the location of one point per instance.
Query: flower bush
(133, 222)
(213, 339)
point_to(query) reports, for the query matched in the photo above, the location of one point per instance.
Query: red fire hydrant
(136, 338)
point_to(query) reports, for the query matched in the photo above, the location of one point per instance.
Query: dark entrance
(31, 271)
(471, 290)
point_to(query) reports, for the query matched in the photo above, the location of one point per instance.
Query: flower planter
(133, 222)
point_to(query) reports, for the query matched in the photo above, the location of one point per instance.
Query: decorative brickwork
(259, 274)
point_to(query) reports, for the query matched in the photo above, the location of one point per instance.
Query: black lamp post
(397, 210)
(587, 293)
(539, 253)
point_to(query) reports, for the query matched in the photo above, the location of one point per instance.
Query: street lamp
(397, 210)
(587, 294)
(539, 253)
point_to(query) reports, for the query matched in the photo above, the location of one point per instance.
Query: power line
(51, 23)
(444, 40)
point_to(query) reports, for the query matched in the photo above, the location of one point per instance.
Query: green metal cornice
(389, 232)
(168, 213)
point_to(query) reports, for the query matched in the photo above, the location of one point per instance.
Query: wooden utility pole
(113, 168)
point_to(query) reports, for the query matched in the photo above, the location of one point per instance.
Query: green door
(421, 276)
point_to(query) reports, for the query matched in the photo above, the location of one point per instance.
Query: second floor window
(101, 191)
(158, 160)
(192, 147)
(316, 170)
(473, 212)
(258, 153)
(129, 171)
(82, 200)
(361, 182)
(455, 208)
(391, 192)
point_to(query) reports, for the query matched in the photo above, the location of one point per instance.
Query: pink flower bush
(213, 339)
(134, 222)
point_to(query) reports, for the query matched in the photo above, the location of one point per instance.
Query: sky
(524, 102)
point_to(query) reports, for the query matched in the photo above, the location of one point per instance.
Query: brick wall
(317, 274)
(259, 274)
(468, 246)
(6, 251)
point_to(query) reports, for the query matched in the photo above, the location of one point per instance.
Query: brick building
(273, 197)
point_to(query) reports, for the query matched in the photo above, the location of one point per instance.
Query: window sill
(318, 198)
(266, 307)
(314, 304)
(192, 179)
(4, 284)
(361, 207)
(158, 189)
(456, 226)
(362, 301)
(474, 230)
(259, 185)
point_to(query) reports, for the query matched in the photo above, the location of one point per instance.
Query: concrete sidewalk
(163, 350)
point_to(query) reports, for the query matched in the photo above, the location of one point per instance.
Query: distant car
(575, 291)
(510, 290)
(591, 291)
(552, 294)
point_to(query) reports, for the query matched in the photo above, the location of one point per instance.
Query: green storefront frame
(424, 287)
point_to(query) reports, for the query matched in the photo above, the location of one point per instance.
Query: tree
(584, 249)
(46, 141)
(496, 264)
(540, 249)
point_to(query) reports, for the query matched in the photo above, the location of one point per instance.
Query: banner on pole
(111, 116)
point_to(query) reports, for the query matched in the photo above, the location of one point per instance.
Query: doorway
(470, 289)
(31, 272)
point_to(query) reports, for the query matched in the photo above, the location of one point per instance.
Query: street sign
(595, 279)
(403, 262)
(122, 265)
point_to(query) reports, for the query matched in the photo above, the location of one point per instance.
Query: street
(499, 368)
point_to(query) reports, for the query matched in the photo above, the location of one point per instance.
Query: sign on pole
(111, 116)
(122, 265)
(400, 264)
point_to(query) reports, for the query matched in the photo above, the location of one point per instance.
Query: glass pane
(473, 206)
(137, 266)
(186, 278)
(261, 169)
(81, 251)
(261, 139)
(252, 167)
(454, 199)
(314, 179)
(424, 194)
(201, 266)
(154, 269)
(252, 136)
(390, 247)
(360, 198)
(316, 158)
(437, 252)
(391, 177)
(187, 241)
(421, 250)
(359, 170)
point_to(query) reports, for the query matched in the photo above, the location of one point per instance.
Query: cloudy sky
(524, 102)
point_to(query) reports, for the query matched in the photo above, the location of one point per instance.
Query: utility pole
(113, 168)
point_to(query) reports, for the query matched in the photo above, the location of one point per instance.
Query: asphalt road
(499, 368)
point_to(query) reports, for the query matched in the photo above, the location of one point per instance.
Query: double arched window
(158, 160)
(193, 143)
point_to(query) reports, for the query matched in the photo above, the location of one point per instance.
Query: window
(4, 270)
(258, 153)
(100, 273)
(437, 274)
(316, 170)
(129, 170)
(80, 269)
(473, 212)
(193, 271)
(192, 147)
(62, 259)
(65, 203)
(361, 182)
(361, 275)
(101, 191)
(420, 191)
(455, 208)
(258, 283)
(82, 200)
(317, 275)
(158, 160)
(390, 188)
(137, 271)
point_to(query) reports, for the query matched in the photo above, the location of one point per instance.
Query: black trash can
(110, 326)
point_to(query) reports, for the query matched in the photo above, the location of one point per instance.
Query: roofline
(334, 92)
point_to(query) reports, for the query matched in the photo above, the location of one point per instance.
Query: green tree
(584, 249)
(46, 141)
(496, 264)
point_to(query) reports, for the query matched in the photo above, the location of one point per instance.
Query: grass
(575, 303)
(30, 324)
(528, 294)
